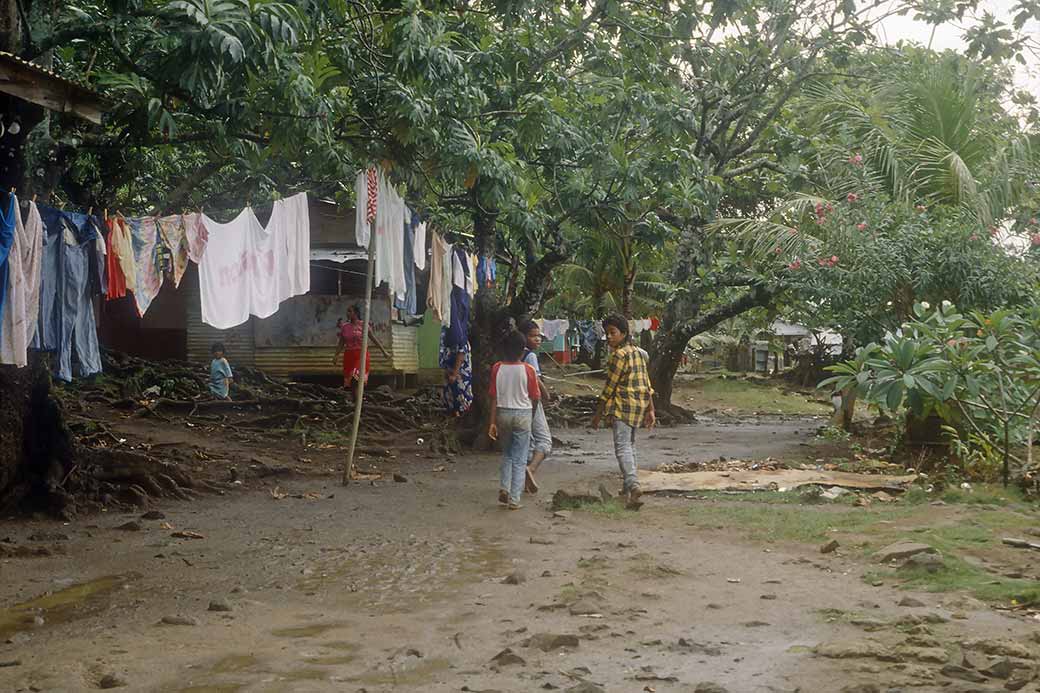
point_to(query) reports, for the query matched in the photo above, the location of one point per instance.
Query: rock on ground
(902, 550)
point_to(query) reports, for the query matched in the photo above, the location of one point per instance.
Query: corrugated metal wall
(405, 348)
(238, 340)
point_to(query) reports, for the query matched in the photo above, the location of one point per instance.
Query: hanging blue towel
(408, 305)
(7, 222)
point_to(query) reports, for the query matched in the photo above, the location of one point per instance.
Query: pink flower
(862, 226)
(1032, 221)
(856, 159)
(830, 208)
(852, 197)
(834, 260)
(778, 250)
(1035, 239)
(797, 264)
(973, 237)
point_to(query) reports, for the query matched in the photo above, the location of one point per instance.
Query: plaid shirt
(627, 394)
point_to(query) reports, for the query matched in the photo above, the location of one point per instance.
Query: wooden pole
(348, 470)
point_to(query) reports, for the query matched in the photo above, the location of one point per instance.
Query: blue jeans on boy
(514, 431)
(625, 451)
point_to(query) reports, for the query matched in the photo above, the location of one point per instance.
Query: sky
(894, 29)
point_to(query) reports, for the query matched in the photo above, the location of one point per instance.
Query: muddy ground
(295, 583)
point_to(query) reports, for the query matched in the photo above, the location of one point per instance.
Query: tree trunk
(675, 334)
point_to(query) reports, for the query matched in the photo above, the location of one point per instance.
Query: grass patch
(745, 396)
(648, 566)
(959, 575)
(789, 522)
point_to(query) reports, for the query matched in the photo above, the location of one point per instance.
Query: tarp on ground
(765, 479)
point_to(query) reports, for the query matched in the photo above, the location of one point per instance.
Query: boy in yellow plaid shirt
(627, 400)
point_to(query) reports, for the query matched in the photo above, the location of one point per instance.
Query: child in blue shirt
(220, 377)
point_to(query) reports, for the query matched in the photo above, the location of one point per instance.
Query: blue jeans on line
(514, 432)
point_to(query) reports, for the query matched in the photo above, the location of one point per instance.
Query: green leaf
(894, 396)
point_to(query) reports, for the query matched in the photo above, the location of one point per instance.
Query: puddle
(63, 606)
(235, 663)
(306, 631)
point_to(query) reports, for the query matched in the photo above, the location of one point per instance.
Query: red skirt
(351, 366)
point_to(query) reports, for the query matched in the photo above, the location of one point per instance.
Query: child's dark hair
(217, 346)
(617, 321)
(513, 346)
(526, 326)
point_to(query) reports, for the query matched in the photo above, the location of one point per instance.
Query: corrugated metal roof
(50, 74)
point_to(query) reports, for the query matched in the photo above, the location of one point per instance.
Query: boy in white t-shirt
(516, 393)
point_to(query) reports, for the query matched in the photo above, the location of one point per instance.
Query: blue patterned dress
(458, 394)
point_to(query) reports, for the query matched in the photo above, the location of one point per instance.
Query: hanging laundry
(366, 194)
(7, 233)
(144, 234)
(408, 303)
(448, 285)
(471, 262)
(121, 244)
(248, 269)
(551, 329)
(486, 272)
(655, 324)
(440, 277)
(67, 324)
(459, 268)
(174, 235)
(22, 305)
(116, 278)
(389, 240)
(290, 219)
(196, 235)
(458, 331)
(419, 244)
(89, 228)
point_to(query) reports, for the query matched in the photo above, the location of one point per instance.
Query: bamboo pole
(348, 470)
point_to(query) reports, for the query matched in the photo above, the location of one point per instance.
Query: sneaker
(515, 506)
(503, 497)
(530, 485)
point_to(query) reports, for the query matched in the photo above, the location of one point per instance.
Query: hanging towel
(459, 270)
(173, 234)
(362, 220)
(123, 247)
(389, 240)
(291, 227)
(21, 309)
(440, 278)
(419, 244)
(195, 234)
(471, 262)
(116, 278)
(144, 236)
(248, 269)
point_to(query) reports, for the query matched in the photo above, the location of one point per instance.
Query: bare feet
(530, 485)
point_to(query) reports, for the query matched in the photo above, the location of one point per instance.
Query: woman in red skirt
(350, 334)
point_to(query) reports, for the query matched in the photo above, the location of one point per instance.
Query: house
(299, 340)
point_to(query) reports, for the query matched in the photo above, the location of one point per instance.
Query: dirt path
(399, 586)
